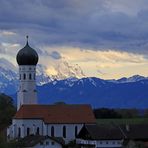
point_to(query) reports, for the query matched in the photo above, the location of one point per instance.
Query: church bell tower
(27, 59)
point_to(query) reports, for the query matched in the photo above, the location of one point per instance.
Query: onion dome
(27, 56)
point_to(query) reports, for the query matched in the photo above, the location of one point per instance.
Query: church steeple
(27, 59)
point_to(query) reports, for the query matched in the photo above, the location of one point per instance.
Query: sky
(106, 38)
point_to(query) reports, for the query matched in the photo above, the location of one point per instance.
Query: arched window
(52, 131)
(76, 131)
(37, 131)
(24, 76)
(28, 131)
(64, 131)
(30, 76)
(19, 132)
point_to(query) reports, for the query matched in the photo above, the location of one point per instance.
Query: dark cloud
(88, 24)
(55, 55)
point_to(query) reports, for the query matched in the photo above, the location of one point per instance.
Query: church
(57, 125)
(54, 123)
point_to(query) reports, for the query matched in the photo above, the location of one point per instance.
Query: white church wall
(27, 123)
(70, 130)
(44, 129)
(9, 133)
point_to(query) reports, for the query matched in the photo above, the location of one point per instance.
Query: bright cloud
(106, 64)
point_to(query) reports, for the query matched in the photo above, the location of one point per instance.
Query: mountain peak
(65, 70)
(133, 78)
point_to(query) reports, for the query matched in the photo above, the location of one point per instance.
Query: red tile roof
(57, 113)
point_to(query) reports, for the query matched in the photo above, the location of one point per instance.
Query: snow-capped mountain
(134, 78)
(124, 92)
(42, 77)
(65, 70)
(8, 76)
(97, 92)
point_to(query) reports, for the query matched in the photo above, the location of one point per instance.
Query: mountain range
(68, 87)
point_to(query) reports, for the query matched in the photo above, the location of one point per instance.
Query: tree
(106, 113)
(7, 110)
(128, 113)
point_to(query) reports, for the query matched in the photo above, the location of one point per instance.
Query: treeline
(120, 113)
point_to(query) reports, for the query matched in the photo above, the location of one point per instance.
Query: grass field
(123, 121)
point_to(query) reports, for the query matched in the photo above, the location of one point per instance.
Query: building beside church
(52, 121)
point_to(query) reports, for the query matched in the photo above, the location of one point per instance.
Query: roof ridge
(121, 130)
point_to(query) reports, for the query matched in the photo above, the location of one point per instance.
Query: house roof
(59, 113)
(112, 131)
(136, 131)
(32, 140)
(100, 132)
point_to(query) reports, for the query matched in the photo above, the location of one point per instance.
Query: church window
(37, 131)
(47, 143)
(52, 131)
(28, 131)
(19, 132)
(24, 76)
(20, 76)
(30, 77)
(52, 143)
(64, 131)
(76, 130)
